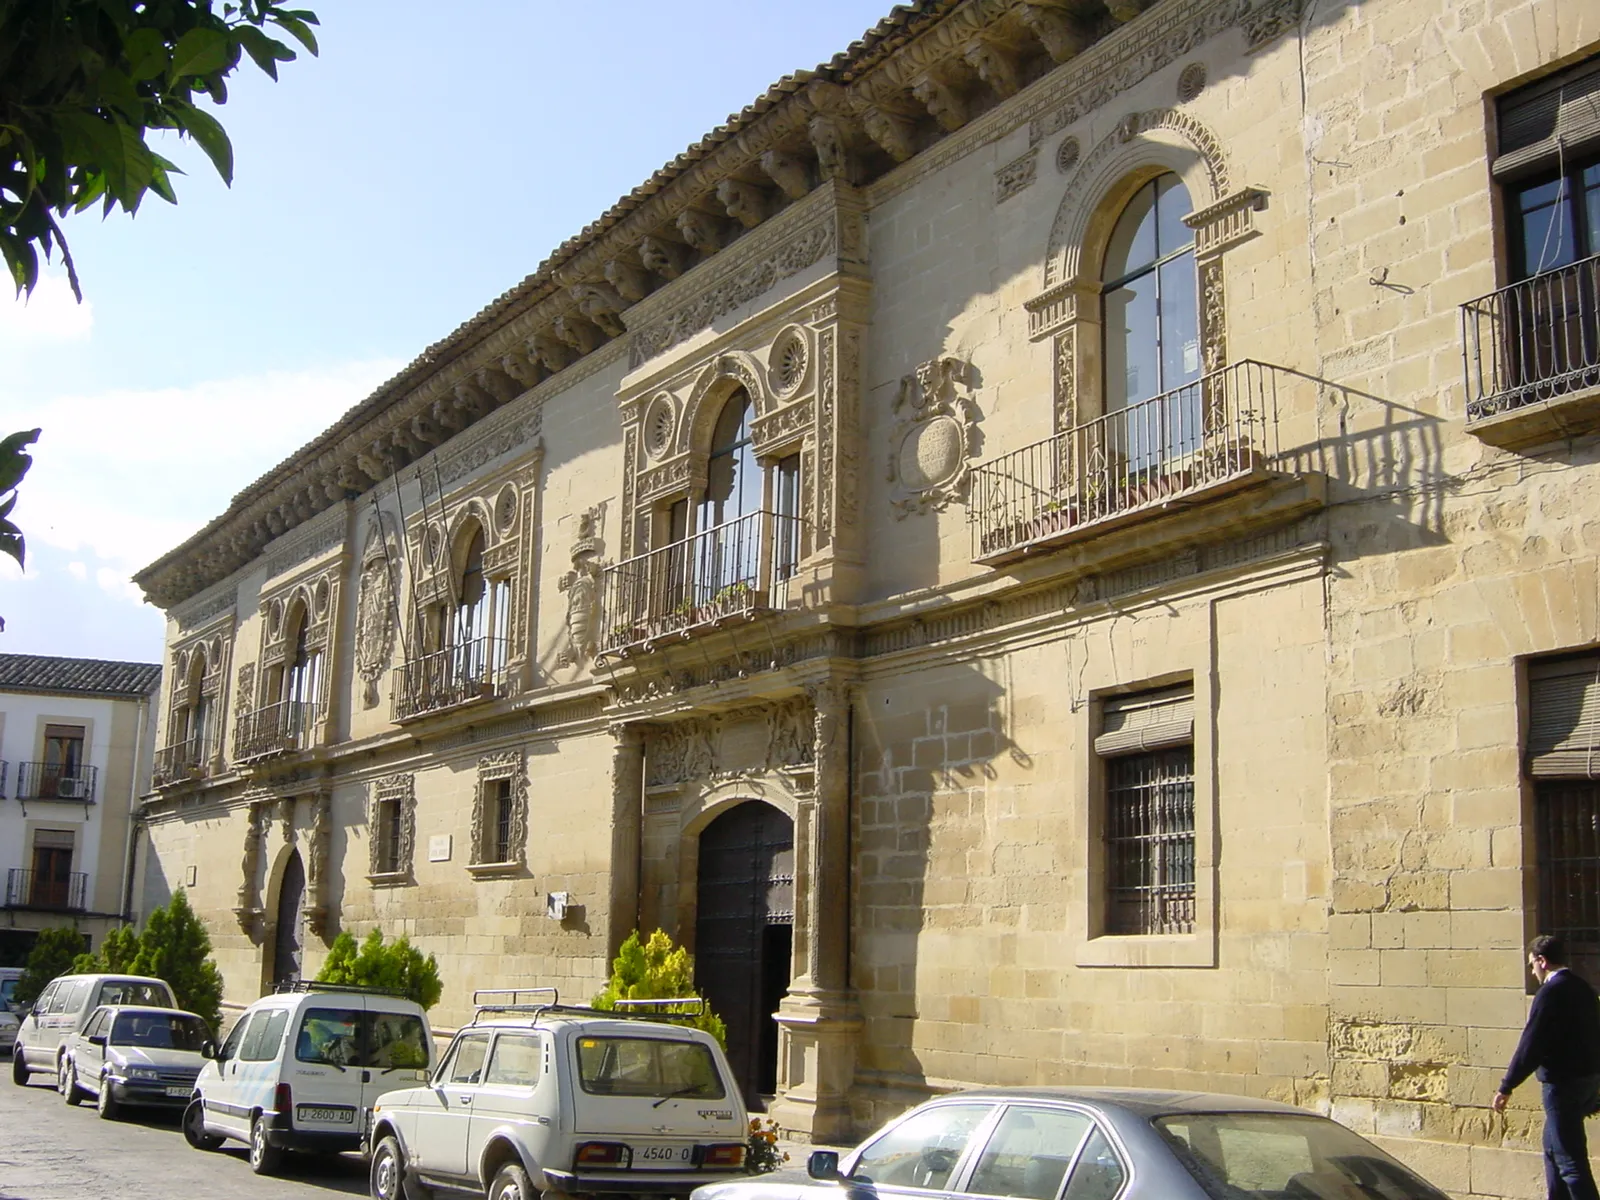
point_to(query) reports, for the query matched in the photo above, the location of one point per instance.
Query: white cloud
(50, 317)
(78, 571)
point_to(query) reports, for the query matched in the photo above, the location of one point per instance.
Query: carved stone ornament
(508, 764)
(934, 437)
(244, 696)
(248, 910)
(789, 361)
(682, 751)
(660, 424)
(319, 850)
(582, 586)
(375, 615)
(790, 741)
(1016, 175)
(398, 790)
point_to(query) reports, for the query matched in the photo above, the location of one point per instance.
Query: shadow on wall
(928, 758)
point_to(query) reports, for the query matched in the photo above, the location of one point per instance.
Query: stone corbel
(472, 399)
(632, 283)
(1123, 11)
(995, 65)
(425, 430)
(446, 416)
(893, 131)
(519, 366)
(497, 384)
(1055, 29)
(700, 230)
(578, 333)
(940, 96)
(833, 131)
(789, 171)
(666, 258)
(745, 202)
(601, 304)
(551, 351)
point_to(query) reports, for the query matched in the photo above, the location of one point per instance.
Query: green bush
(398, 967)
(54, 953)
(175, 947)
(656, 970)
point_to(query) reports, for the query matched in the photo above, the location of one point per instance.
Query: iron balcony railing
(1532, 341)
(735, 569)
(55, 781)
(1221, 427)
(472, 670)
(279, 728)
(179, 762)
(55, 891)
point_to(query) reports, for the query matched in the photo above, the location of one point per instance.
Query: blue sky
(383, 193)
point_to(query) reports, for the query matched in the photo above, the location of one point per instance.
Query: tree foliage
(397, 966)
(82, 82)
(54, 953)
(656, 970)
(175, 947)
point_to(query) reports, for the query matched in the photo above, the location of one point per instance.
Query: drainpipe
(133, 825)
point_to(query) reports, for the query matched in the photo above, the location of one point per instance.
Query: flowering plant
(763, 1154)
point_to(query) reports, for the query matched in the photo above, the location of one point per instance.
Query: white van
(63, 1008)
(302, 1068)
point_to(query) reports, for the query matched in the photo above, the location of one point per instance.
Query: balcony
(46, 890)
(54, 781)
(179, 763)
(1532, 358)
(460, 674)
(731, 572)
(1198, 442)
(280, 728)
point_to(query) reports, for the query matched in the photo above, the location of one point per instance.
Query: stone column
(627, 799)
(819, 1020)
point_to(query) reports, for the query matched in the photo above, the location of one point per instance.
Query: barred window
(389, 819)
(1147, 744)
(501, 811)
(1563, 758)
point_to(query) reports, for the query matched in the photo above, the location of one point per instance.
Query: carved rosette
(934, 437)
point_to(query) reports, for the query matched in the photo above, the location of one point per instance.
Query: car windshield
(7, 987)
(153, 994)
(622, 1066)
(348, 1037)
(1273, 1156)
(159, 1031)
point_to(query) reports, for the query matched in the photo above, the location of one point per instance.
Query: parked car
(534, 1097)
(9, 1025)
(302, 1068)
(134, 1055)
(64, 1007)
(9, 978)
(1098, 1144)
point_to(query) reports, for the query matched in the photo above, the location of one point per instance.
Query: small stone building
(1060, 546)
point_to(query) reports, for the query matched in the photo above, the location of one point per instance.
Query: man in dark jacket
(1561, 1041)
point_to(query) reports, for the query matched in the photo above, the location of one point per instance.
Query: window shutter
(1146, 721)
(1564, 724)
(66, 732)
(53, 839)
(1537, 124)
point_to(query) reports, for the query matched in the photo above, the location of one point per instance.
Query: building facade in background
(994, 548)
(76, 735)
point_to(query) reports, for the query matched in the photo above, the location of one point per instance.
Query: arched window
(305, 668)
(481, 621)
(197, 716)
(1152, 317)
(471, 615)
(733, 481)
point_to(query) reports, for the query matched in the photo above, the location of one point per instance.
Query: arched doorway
(744, 934)
(291, 898)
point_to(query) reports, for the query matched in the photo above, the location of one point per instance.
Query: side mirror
(208, 1049)
(823, 1164)
(98, 1039)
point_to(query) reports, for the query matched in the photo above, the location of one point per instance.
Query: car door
(31, 1036)
(923, 1155)
(89, 1058)
(440, 1146)
(398, 1052)
(507, 1099)
(328, 1049)
(1029, 1152)
(223, 1110)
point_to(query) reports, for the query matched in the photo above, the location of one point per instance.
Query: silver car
(1097, 1144)
(134, 1055)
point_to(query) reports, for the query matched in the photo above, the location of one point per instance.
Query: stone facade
(870, 745)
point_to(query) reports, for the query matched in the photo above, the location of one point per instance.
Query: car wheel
(68, 1084)
(194, 1128)
(60, 1079)
(265, 1158)
(105, 1103)
(511, 1183)
(388, 1179)
(19, 1067)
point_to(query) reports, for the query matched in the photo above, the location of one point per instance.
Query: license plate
(179, 1091)
(343, 1116)
(659, 1157)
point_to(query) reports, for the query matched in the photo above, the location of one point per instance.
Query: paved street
(51, 1152)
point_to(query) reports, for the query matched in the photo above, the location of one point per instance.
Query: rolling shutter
(1564, 718)
(1146, 721)
(1539, 123)
(53, 839)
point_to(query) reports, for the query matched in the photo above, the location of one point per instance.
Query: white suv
(535, 1097)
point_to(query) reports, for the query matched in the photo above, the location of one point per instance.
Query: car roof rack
(284, 986)
(487, 1003)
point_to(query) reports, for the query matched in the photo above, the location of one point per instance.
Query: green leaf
(298, 26)
(199, 52)
(267, 52)
(14, 463)
(213, 139)
(146, 52)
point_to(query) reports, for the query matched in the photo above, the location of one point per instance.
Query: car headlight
(141, 1073)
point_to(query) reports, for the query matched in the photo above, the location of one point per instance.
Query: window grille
(502, 820)
(1147, 742)
(389, 836)
(1563, 757)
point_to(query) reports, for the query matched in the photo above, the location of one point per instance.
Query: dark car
(1097, 1144)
